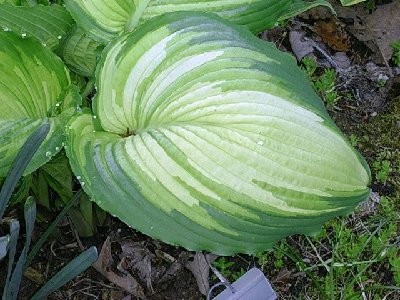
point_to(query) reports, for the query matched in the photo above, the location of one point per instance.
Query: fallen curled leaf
(139, 260)
(333, 33)
(301, 45)
(201, 270)
(103, 266)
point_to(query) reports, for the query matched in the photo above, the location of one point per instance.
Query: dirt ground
(367, 107)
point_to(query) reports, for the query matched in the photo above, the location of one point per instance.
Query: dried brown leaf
(201, 270)
(103, 266)
(333, 33)
(377, 30)
(140, 261)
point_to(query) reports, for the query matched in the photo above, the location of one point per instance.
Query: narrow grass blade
(15, 281)
(3, 246)
(70, 271)
(12, 246)
(20, 163)
(50, 229)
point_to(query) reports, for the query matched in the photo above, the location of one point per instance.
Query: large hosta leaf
(48, 24)
(206, 137)
(105, 19)
(35, 88)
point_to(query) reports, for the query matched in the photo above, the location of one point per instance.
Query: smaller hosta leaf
(35, 89)
(105, 19)
(206, 137)
(48, 24)
(80, 52)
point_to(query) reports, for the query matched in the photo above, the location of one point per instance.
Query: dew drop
(23, 35)
(260, 143)
(151, 227)
(57, 104)
(82, 183)
(57, 148)
(78, 177)
(48, 154)
(59, 37)
(44, 44)
(94, 117)
(6, 29)
(62, 144)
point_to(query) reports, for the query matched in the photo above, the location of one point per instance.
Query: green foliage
(47, 24)
(191, 132)
(396, 53)
(104, 22)
(310, 66)
(370, 5)
(9, 243)
(75, 267)
(383, 169)
(354, 140)
(35, 89)
(159, 153)
(342, 261)
(381, 83)
(323, 83)
(228, 269)
(80, 52)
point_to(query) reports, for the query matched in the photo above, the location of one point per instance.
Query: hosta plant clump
(205, 137)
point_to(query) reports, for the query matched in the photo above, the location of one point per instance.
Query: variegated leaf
(35, 88)
(103, 20)
(206, 137)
